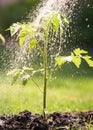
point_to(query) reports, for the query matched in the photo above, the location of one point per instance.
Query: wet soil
(56, 121)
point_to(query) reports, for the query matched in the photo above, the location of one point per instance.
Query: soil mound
(56, 121)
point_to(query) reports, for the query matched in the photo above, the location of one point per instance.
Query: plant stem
(45, 78)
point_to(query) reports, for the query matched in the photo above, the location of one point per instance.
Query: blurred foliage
(6, 56)
(16, 13)
(82, 25)
(81, 28)
(86, 23)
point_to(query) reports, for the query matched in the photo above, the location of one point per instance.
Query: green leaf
(2, 38)
(13, 72)
(26, 31)
(88, 60)
(22, 37)
(76, 60)
(29, 30)
(14, 28)
(32, 44)
(55, 22)
(64, 19)
(90, 63)
(86, 57)
(60, 60)
(78, 51)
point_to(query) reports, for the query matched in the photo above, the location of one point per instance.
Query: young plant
(31, 35)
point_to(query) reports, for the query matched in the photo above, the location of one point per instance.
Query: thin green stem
(45, 79)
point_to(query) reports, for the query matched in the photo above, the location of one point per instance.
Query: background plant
(38, 38)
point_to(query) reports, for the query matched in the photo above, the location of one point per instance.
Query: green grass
(63, 94)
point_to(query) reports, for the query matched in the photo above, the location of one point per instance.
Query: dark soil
(56, 121)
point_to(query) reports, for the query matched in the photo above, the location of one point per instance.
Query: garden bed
(56, 121)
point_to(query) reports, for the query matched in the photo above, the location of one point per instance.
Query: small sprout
(33, 38)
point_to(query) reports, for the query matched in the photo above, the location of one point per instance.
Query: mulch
(55, 121)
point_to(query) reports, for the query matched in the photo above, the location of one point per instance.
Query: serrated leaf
(64, 19)
(2, 38)
(22, 37)
(86, 57)
(55, 22)
(60, 60)
(26, 31)
(32, 44)
(78, 51)
(76, 60)
(88, 60)
(90, 63)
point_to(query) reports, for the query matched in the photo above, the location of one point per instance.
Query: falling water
(58, 43)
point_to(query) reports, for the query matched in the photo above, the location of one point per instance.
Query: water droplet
(88, 26)
(86, 19)
(88, 5)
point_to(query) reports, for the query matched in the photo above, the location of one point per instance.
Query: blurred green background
(81, 26)
(11, 12)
